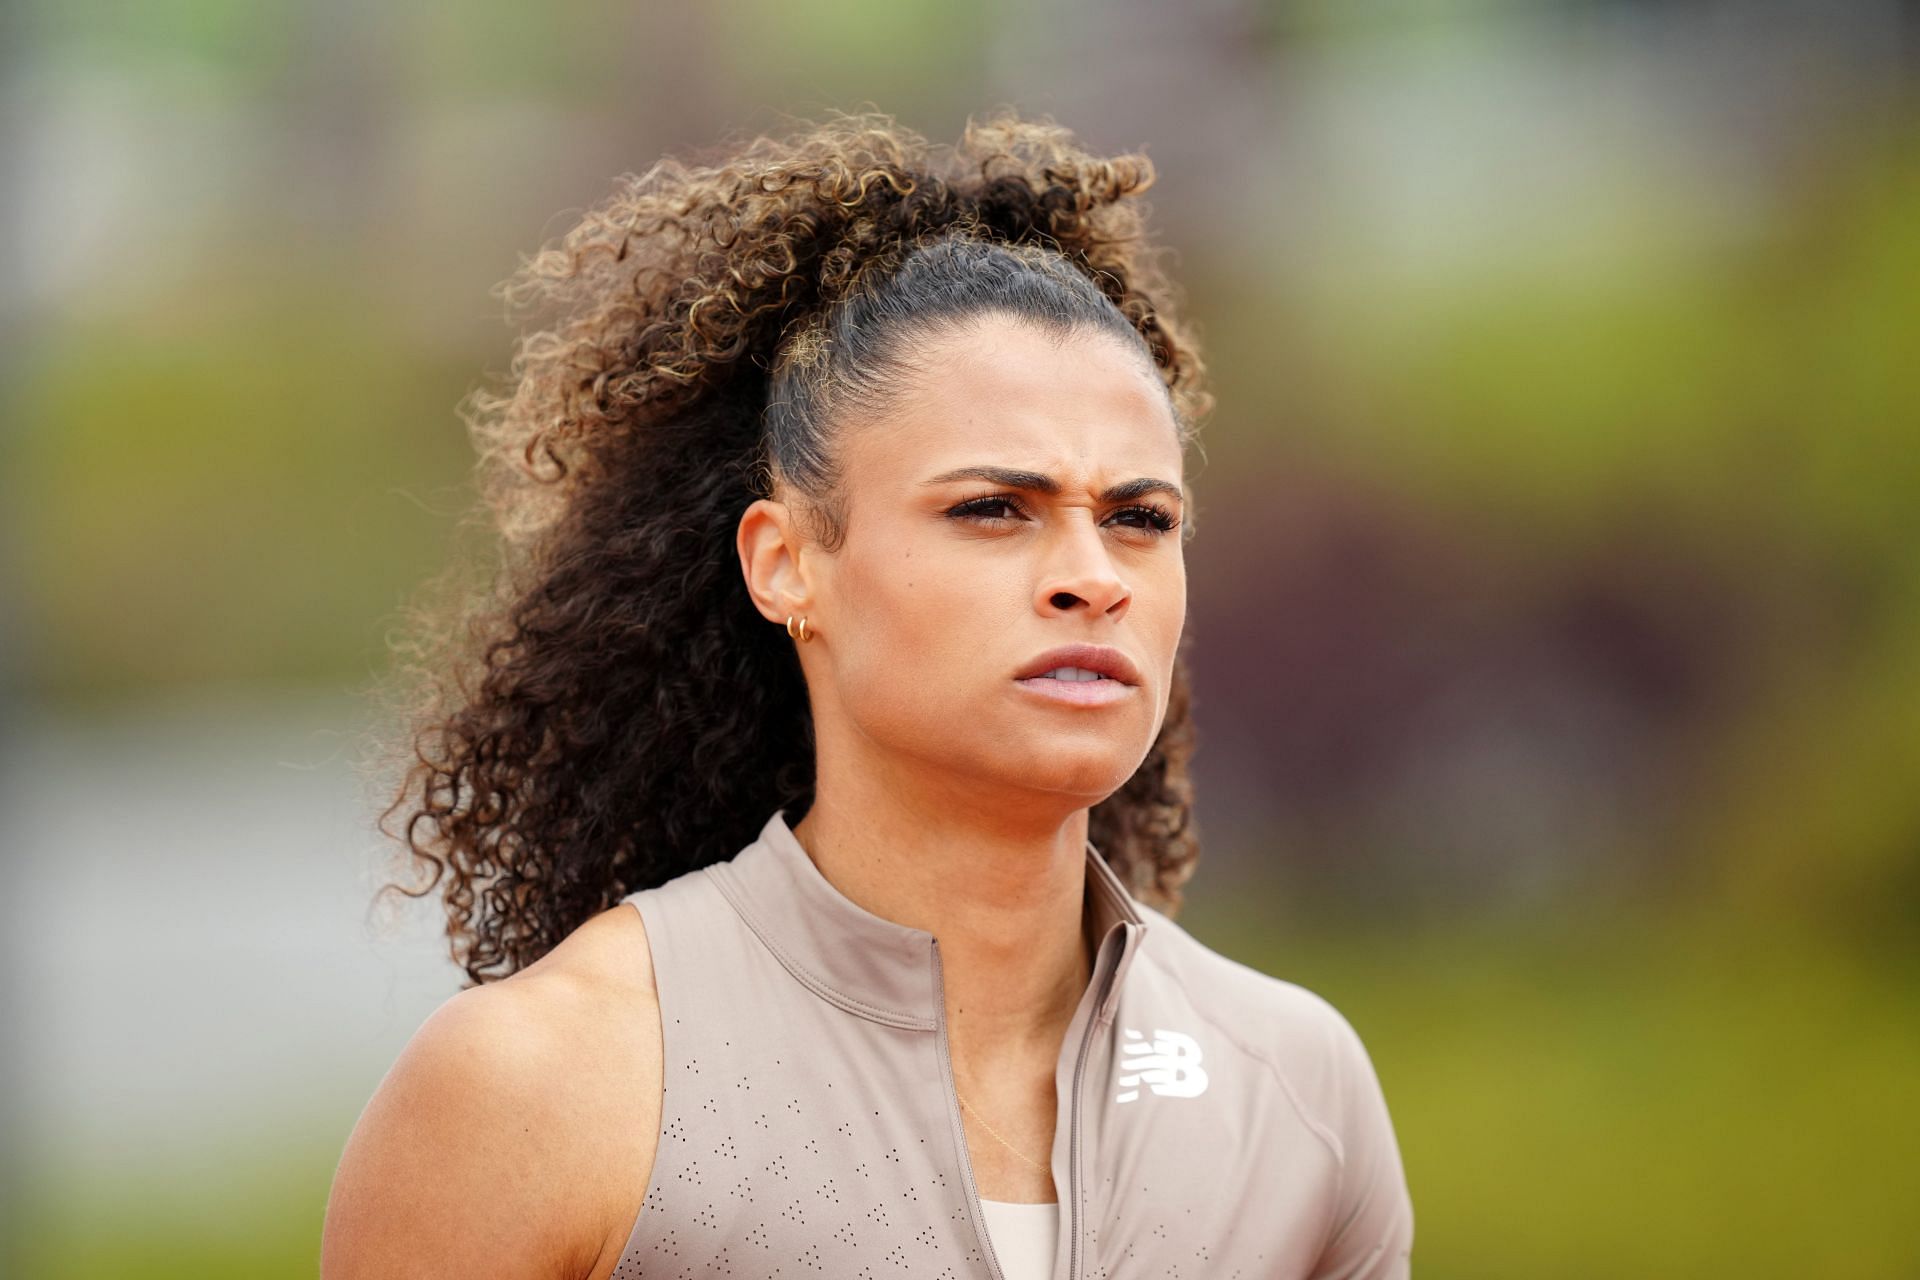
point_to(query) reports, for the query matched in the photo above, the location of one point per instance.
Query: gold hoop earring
(799, 632)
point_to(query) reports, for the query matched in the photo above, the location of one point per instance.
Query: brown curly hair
(603, 708)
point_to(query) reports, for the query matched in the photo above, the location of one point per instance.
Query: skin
(514, 1136)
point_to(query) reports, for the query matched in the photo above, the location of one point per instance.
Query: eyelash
(1159, 519)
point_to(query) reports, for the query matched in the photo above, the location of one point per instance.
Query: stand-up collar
(864, 963)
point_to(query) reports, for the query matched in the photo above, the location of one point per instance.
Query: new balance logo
(1169, 1064)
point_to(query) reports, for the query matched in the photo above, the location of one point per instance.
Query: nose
(1080, 574)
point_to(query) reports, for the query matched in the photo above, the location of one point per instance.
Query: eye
(983, 508)
(1155, 518)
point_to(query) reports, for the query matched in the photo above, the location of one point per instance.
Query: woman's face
(1010, 502)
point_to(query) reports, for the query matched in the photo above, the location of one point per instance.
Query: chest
(839, 1147)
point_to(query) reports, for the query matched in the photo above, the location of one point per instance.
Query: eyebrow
(1038, 482)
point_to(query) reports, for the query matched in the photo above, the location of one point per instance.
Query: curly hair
(602, 708)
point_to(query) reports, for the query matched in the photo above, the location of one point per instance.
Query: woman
(796, 786)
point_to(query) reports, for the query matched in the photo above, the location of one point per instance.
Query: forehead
(1001, 391)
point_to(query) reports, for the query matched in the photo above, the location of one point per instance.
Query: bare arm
(492, 1148)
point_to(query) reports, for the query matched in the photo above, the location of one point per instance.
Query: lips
(1102, 659)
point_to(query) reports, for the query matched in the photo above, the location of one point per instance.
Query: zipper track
(959, 1125)
(1073, 1145)
(1074, 1160)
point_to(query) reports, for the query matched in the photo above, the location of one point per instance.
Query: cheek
(1161, 596)
(1168, 605)
(914, 617)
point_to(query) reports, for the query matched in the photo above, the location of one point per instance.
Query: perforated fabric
(1212, 1121)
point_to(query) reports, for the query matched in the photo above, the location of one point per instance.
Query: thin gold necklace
(996, 1133)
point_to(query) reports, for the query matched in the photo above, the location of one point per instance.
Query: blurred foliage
(1762, 415)
(257, 1213)
(241, 41)
(1654, 1093)
(1760, 391)
(240, 493)
(1743, 427)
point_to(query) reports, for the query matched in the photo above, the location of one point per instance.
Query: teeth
(1072, 673)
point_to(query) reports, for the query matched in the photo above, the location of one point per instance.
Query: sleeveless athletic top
(1212, 1121)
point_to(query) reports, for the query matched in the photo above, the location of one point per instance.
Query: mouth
(1081, 662)
(1081, 675)
(1077, 688)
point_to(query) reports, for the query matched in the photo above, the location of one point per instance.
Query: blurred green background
(1555, 595)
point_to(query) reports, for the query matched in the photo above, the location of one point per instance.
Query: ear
(770, 547)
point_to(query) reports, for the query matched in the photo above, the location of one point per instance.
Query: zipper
(1095, 1021)
(1073, 1123)
(959, 1125)
(1073, 1145)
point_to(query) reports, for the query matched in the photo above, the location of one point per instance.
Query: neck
(1004, 892)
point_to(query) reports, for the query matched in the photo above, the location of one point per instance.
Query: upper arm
(468, 1160)
(1372, 1232)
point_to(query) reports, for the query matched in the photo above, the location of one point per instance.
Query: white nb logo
(1169, 1064)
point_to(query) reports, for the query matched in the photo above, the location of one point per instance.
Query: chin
(1083, 778)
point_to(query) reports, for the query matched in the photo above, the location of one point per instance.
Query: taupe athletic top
(1212, 1121)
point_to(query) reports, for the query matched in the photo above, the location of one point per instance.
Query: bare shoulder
(515, 1133)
